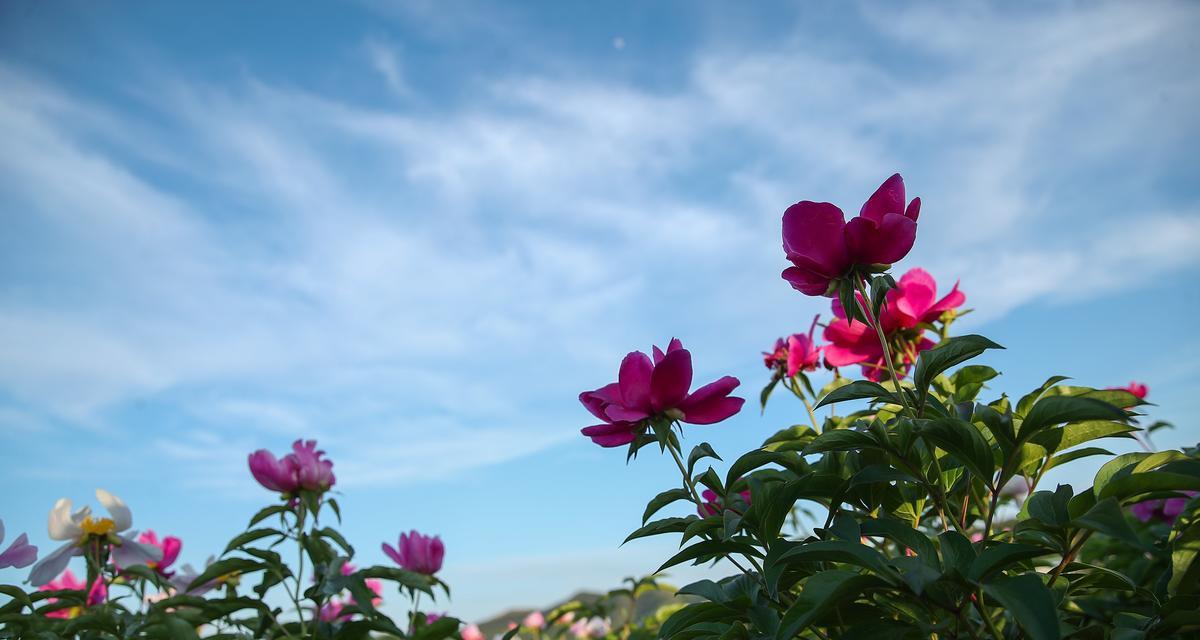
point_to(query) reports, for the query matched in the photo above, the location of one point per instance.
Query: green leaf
(880, 285)
(999, 557)
(1077, 454)
(948, 353)
(1106, 517)
(1185, 548)
(964, 441)
(410, 579)
(1055, 410)
(246, 537)
(708, 549)
(766, 392)
(223, 567)
(822, 593)
(1028, 399)
(711, 480)
(1148, 482)
(858, 390)
(333, 534)
(659, 527)
(968, 381)
(1077, 433)
(263, 514)
(902, 533)
(663, 499)
(699, 452)
(691, 615)
(880, 473)
(957, 552)
(842, 440)
(1029, 602)
(759, 458)
(780, 555)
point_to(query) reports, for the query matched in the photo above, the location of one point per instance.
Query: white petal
(121, 516)
(49, 567)
(131, 552)
(63, 526)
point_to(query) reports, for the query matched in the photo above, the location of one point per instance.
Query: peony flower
(648, 389)
(1163, 510)
(332, 611)
(1136, 388)
(823, 247)
(19, 554)
(713, 505)
(302, 469)
(914, 300)
(416, 552)
(170, 547)
(799, 352)
(534, 620)
(471, 632)
(79, 527)
(65, 582)
(910, 306)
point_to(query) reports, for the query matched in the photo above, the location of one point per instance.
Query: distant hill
(647, 603)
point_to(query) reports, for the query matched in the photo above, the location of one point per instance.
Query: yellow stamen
(94, 527)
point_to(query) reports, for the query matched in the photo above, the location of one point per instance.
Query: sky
(415, 231)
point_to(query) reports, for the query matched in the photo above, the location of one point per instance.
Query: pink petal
(806, 281)
(814, 231)
(611, 435)
(914, 210)
(595, 401)
(888, 198)
(882, 242)
(671, 380)
(634, 380)
(709, 403)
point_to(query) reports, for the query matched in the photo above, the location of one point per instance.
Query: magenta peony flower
(713, 504)
(914, 300)
(471, 632)
(303, 468)
(19, 554)
(170, 547)
(1136, 388)
(799, 352)
(416, 552)
(1162, 510)
(823, 247)
(650, 389)
(909, 307)
(98, 593)
(65, 582)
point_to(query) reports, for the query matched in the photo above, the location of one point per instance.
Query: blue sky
(415, 231)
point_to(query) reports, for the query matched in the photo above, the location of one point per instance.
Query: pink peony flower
(823, 247)
(64, 582)
(534, 620)
(1136, 388)
(332, 611)
(909, 307)
(713, 504)
(655, 388)
(170, 547)
(416, 552)
(1163, 510)
(798, 353)
(19, 554)
(471, 632)
(98, 593)
(303, 468)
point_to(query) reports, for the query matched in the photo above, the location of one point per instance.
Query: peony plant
(132, 588)
(931, 518)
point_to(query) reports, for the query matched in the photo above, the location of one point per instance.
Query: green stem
(412, 622)
(799, 393)
(687, 482)
(300, 569)
(887, 352)
(983, 613)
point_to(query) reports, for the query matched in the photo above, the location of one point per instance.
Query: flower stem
(887, 352)
(687, 482)
(799, 393)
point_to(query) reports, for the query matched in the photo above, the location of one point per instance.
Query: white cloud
(272, 257)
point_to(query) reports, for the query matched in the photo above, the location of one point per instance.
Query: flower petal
(19, 554)
(880, 242)
(815, 231)
(131, 552)
(634, 380)
(888, 198)
(62, 525)
(49, 567)
(671, 380)
(611, 435)
(710, 403)
(122, 517)
(807, 281)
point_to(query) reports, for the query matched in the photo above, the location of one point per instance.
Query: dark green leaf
(999, 557)
(658, 527)
(246, 537)
(1106, 517)
(964, 441)
(699, 452)
(858, 390)
(663, 499)
(948, 353)
(841, 440)
(1029, 602)
(1055, 410)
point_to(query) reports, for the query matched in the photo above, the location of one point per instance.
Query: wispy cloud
(275, 257)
